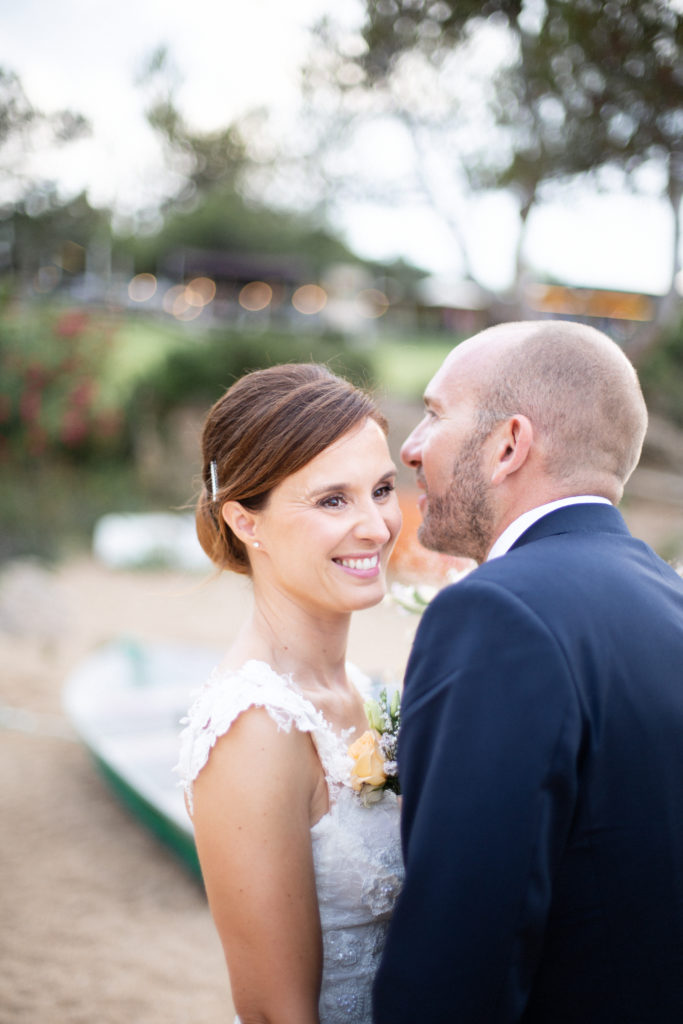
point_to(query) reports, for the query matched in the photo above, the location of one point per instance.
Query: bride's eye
(332, 501)
(383, 492)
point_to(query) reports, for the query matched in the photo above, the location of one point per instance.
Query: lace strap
(226, 695)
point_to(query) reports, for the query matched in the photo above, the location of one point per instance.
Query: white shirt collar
(520, 525)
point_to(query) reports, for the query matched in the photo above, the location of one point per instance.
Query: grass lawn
(403, 368)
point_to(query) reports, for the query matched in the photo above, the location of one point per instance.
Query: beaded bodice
(356, 849)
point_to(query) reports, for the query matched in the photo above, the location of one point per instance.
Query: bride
(301, 874)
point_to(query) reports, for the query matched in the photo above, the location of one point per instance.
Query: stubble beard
(460, 520)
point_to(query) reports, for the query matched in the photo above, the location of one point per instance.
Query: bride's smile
(367, 566)
(327, 531)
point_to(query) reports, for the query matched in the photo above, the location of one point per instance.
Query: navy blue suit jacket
(541, 761)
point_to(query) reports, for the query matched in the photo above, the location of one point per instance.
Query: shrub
(54, 400)
(661, 374)
(199, 372)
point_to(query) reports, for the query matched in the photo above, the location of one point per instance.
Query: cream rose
(368, 763)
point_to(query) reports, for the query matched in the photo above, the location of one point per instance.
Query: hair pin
(213, 472)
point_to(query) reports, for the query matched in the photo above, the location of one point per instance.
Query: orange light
(592, 302)
(309, 299)
(171, 297)
(200, 291)
(142, 287)
(372, 303)
(255, 296)
(176, 301)
(186, 312)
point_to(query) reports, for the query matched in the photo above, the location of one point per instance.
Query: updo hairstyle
(268, 425)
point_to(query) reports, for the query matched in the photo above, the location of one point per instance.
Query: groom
(541, 753)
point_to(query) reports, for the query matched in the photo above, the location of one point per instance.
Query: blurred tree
(23, 128)
(215, 206)
(220, 220)
(37, 227)
(226, 199)
(203, 161)
(53, 240)
(516, 94)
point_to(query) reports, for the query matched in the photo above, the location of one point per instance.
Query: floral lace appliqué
(226, 694)
(356, 849)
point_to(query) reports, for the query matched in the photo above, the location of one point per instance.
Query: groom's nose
(412, 448)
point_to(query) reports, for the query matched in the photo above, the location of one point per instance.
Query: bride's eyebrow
(317, 492)
(326, 489)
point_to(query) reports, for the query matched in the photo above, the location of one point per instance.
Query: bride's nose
(372, 524)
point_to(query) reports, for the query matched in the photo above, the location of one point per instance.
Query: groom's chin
(430, 539)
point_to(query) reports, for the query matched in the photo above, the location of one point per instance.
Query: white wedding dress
(356, 849)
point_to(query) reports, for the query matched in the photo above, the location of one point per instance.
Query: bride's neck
(292, 639)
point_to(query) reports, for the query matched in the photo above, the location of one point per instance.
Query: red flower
(29, 406)
(71, 324)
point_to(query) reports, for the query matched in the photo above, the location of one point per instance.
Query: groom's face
(446, 450)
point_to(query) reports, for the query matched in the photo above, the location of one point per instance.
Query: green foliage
(78, 385)
(49, 508)
(404, 366)
(49, 238)
(199, 372)
(18, 116)
(661, 374)
(592, 81)
(221, 221)
(55, 400)
(203, 160)
(597, 84)
(579, 88)
(79, 391)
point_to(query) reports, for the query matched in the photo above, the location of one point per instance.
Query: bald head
(577, 388)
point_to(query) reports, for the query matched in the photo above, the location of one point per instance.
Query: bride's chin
(371, 598)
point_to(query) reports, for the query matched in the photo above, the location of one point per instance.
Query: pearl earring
(256, 544)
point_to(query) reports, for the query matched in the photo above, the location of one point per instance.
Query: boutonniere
(374, 753)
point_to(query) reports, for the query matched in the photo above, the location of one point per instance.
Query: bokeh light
(176, 303)
(142, 287)
(200, 291)
(372, 303)
(309, 299)
(255, 296)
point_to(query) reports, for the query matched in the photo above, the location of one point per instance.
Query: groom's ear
(513, 440)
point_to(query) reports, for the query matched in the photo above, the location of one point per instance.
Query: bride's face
(327, 531)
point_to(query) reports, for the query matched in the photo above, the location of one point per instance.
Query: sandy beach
(100, 923)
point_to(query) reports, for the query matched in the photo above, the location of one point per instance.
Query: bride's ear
(513, 442)
(241, 521)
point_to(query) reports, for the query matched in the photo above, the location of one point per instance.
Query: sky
(236, 56)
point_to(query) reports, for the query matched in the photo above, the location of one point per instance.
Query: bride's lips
(363, 566)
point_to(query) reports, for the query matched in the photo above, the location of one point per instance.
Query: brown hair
(268, 425)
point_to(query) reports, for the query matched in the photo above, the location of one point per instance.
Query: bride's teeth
(360, 563)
